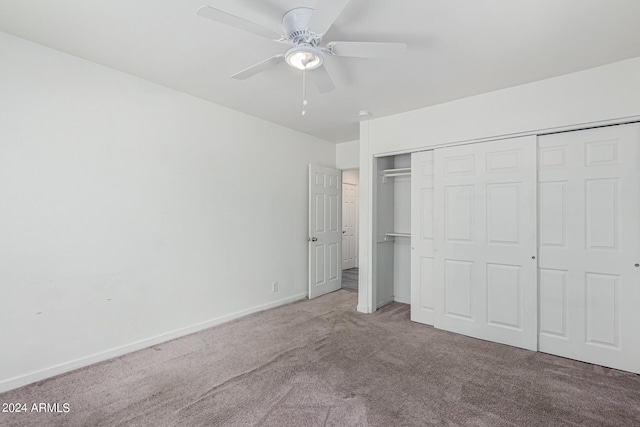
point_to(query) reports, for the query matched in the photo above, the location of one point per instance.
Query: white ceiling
(456, 48)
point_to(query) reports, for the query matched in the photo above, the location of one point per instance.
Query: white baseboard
(363, 309)
(13, 383)
(385, 302)
(402, 300)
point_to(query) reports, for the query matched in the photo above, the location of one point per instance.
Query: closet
(532, 242)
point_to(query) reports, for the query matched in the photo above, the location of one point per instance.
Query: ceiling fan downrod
(304, 92)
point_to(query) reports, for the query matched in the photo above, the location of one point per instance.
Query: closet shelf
(396, 234)
(396, 172)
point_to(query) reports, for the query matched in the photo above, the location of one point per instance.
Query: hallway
(350, 279)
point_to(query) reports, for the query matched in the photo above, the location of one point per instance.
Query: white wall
(598, 94)
(607, 94)
(131, 213)
(351, 177)
(348, 155)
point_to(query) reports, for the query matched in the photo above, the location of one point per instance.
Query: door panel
(602, 213)
(552, 217)
(458, 283)
(459, 213)
(602, 311)
(504, 301)
(325, 260)
(485, 241)
(334, 261)
(503, 217)
(422, 298)
(320, 264)
(589, 186)
(553, 312)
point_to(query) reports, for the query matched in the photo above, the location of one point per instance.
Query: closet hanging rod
(390, 175)
(394, 234)
(397, 170)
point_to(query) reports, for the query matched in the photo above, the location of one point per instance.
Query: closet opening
(392, 225)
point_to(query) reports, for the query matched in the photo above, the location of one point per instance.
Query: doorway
(350, 182)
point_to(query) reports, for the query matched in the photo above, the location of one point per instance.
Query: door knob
(314, 239)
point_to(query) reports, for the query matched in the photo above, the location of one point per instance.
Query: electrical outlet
(274, 287)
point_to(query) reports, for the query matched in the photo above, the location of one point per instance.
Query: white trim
(363, 309)
(365, 230)
(385, 302)
(402, 300)
(13, 383)
(539, 132)
(373, 237)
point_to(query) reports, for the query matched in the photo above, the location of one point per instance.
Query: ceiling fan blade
(322, 80)
(366, 49)
(259, 67)
(236, 22)
(325, 14)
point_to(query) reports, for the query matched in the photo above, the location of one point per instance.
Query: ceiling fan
(303, 29)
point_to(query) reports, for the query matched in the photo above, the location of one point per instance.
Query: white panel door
(485, 241)
(589, 245)
(325, 236)
(349, 226)
(422, 302)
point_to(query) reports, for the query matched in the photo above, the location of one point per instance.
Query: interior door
(485, 241)
(325, 236)
(589, 232)
(422, 238)
(349, 226)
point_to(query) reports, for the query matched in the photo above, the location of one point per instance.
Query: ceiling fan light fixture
(304, 57)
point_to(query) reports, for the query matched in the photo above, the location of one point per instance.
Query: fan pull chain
(304, 92)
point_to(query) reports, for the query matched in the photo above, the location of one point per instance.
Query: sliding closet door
(422, 303)
(485, 241)
(589, 189)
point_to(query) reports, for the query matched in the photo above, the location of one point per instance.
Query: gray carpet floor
(320, 363)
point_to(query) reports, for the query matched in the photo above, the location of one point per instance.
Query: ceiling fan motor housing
(295, 24)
